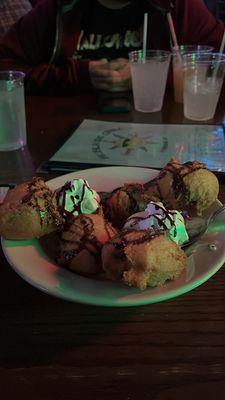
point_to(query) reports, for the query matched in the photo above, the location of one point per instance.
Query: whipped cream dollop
(77, 197)
(158, 217)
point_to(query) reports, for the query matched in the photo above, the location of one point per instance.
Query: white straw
(221, 50)
(145, 32)
(174, 36)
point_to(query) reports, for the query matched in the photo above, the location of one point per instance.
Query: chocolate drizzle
(122, 240)
(76, 200)
(161, 219)
(79, 234)
(122, 202)
(41, 198)
(179, 172)
(154, 187)
(168, 215)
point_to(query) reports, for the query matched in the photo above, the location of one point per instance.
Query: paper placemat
(96, 143)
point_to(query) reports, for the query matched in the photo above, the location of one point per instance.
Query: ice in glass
(178, 75)
(203, 80)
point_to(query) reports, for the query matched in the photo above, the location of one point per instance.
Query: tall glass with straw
(203, 80)
(178, 52)
(202, 86)
(178, 73)
(149, 70)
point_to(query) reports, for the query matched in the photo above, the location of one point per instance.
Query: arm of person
(28, 47)
(195, 24)
(111, 76)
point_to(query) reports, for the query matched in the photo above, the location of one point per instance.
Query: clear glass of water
(12, 111)
(149, 77)
(178, 75)
(203, 80)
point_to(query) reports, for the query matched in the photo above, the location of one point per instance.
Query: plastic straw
(145, 31)
(172, 30)
(221, 50)
(174, 36)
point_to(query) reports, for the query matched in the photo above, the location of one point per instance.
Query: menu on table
(100, 143)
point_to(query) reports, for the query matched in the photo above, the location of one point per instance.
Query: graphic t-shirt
(107, 33)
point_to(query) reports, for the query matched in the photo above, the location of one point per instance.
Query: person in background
(11, 11)
(76, 45)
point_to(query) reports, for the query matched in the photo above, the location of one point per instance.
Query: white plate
(29, 260)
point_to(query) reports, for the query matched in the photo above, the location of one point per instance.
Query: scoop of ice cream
(77, 197)
(158, 217)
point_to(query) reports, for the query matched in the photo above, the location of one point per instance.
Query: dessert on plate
(133, 234)
(77, 197)
(122, 202)
(81, 241)
(158, 217)
(190, 186)
(147, 251)
(142, 258)
(29, 211)
(187, 187)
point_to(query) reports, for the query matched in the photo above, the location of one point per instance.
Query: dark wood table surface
(55, 349)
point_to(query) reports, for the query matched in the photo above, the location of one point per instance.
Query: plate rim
(152, 300)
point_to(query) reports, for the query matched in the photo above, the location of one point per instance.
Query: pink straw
(173, 34)
(172, 30)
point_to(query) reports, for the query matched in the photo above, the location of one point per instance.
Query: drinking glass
(178, 79)
(203, 80)
(149, 75)
(12, 111)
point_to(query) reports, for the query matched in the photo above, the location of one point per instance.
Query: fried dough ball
(125, 201)
(81, 242)
(29, 211)
(143, 258)
(190, 186)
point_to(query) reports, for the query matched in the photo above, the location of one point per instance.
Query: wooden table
(54, 349)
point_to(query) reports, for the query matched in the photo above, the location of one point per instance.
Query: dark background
(217, 7)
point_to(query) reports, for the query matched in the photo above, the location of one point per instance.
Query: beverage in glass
(203, 80)
(149, 76)
(12, 111)
(178, 75)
